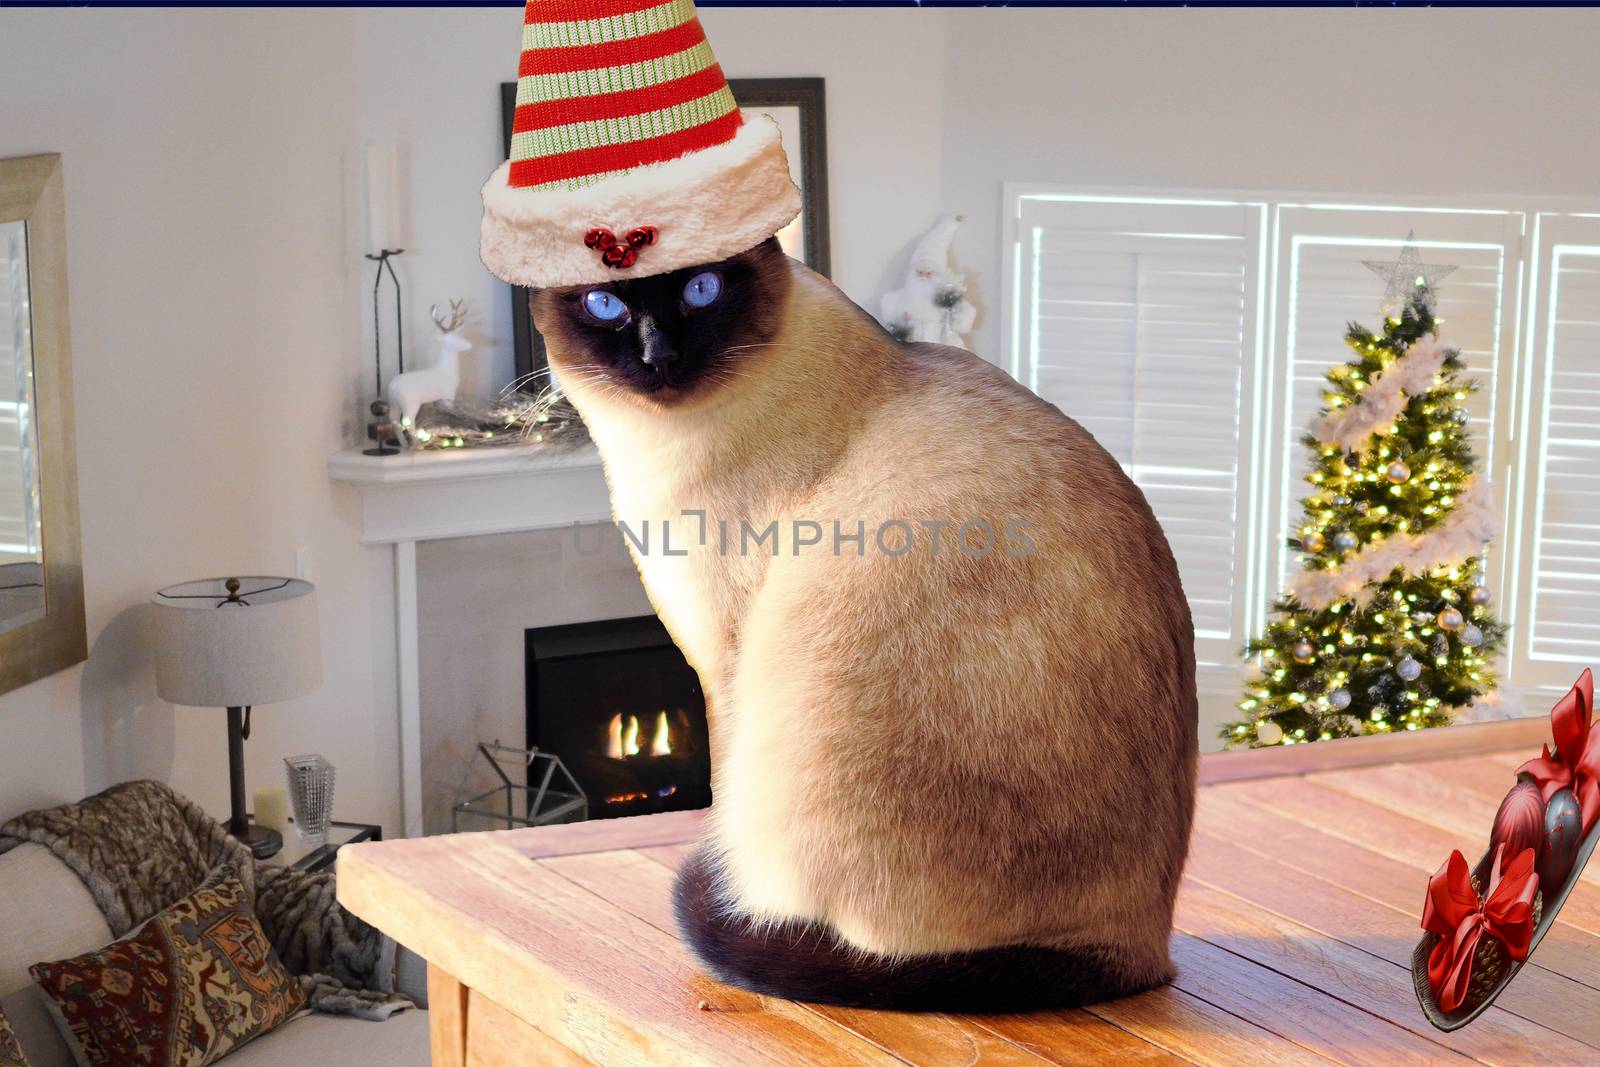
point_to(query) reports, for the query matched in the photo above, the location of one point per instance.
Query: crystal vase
(311, 792)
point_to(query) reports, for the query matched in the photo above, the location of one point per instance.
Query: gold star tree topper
(1406, 276)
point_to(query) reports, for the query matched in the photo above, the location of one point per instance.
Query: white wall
(220, 320)
(213, 333)
(219, 306)
(1443, 102)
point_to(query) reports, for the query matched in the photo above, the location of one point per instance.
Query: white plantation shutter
(1323, 286)
(1193, 342)
(1558, 591)
(1138, 318)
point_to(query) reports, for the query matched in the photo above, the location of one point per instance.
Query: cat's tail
(804, 961)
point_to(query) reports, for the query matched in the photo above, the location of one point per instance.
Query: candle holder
(382, 260)
(383, 431)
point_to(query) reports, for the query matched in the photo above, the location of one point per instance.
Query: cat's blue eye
(702, 289)
(604, 305)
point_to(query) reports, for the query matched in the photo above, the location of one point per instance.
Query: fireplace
(622, 708)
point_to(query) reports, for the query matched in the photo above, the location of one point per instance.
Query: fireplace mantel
(427, 495)
(420, 496)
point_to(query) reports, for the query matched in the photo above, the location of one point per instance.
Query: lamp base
(262, 841)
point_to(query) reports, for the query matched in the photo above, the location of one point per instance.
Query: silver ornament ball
(1339, 699)
(1341, 501)
(1398, 472)
(1408, 669)
(1479, 596)
(1344, 540)
(1450, 619)
(1302, 651)
(1471, 637)
(1312, 542)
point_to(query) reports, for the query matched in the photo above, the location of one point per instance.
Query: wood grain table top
(1295, 925)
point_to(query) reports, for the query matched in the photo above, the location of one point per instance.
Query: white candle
(378, 178)
(272, 808)
(395, 231)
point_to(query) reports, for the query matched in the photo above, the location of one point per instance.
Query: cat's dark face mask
(670, 336)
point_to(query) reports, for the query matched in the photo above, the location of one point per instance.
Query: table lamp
(234, 643)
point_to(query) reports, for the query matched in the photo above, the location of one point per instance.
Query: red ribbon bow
(1454, 912)
(623, 253)
(1576, 762)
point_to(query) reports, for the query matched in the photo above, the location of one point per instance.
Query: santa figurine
(933, 304)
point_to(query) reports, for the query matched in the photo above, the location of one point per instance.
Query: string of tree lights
(1387, 626)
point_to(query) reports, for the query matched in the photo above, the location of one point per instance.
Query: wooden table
(1296, 922)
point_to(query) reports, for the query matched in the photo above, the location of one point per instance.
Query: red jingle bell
(600, 238)
(614, 254)
(641, 236)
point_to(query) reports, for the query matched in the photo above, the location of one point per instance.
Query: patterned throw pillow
(188, 986)
(10, 1050)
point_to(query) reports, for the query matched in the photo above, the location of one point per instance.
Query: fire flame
(622, 736)
(614, 737)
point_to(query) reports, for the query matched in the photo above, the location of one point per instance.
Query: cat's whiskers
(516, 384)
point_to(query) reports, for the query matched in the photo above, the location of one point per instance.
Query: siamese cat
(951, 697)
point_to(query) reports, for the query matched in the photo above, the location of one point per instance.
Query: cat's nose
(654, 346)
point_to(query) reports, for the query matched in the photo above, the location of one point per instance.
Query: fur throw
(140, 847)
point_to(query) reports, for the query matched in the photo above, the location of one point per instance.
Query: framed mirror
(41, 571)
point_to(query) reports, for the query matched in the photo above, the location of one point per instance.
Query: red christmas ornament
(1519, 824)
(1562, 834)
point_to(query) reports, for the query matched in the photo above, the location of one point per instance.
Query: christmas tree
(1386, 626)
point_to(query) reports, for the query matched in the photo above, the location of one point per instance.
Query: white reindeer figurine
(409, 391)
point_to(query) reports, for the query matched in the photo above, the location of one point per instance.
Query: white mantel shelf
(468, 492)
(428, 495)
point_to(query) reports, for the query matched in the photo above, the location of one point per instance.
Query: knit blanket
(139, 847)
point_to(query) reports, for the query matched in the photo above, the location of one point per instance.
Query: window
(1190, 334)
(1140, 319)
(1323, 285)
(1555, 584)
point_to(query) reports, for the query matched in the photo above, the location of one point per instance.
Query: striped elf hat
(629, 156)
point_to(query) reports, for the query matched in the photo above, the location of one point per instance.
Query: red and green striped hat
(629, 156)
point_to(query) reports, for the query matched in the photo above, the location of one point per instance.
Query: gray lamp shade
(260, 648)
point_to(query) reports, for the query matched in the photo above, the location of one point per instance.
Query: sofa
(48, 914)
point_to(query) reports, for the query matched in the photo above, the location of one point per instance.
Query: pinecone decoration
(1490, 960)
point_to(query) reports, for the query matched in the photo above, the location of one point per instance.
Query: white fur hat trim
(706, 206)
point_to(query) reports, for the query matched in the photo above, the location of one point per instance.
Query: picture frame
(798, 106)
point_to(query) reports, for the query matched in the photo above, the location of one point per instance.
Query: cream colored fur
(707, 206)
(926, 753)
